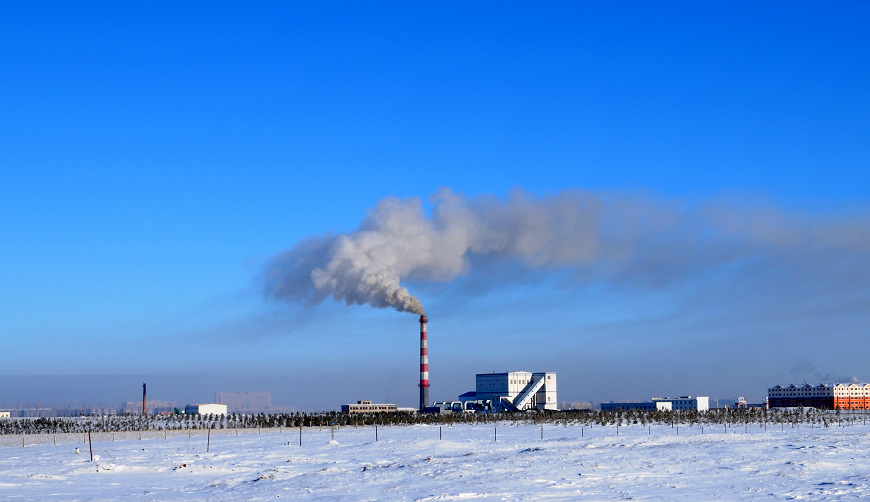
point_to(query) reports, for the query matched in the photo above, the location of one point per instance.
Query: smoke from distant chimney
(627, 237)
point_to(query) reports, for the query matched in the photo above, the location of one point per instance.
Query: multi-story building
(518, 390)
(509, 391)
(838, 396)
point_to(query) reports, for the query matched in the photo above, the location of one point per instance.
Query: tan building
(368, 407)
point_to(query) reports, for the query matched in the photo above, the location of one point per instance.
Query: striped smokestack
(424, 364)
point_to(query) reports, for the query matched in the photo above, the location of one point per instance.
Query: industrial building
(511, 391)
(643, 406)
(369, 407)
(205, 409)
(681, 403)
(839, 396)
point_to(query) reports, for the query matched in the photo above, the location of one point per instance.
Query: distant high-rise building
(245, 401)
(154, 407)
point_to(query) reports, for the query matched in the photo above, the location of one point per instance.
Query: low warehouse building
(643, 406)
(205, 409)
(369, 407)
(681, 403)
(685, 402)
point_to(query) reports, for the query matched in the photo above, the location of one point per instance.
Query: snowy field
(479, 462)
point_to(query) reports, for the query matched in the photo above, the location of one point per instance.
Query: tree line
(121, 423)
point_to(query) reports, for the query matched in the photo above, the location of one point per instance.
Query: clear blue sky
(156, 157)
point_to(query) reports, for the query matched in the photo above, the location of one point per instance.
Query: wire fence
(507, 431)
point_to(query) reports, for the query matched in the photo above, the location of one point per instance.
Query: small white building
(5, 414)
(205, 409)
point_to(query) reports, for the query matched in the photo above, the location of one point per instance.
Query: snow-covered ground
(479, 462)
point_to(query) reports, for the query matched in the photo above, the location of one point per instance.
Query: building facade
(839, 396)
(517, 390)
(682, 403)
(643, 406)
(369, 407)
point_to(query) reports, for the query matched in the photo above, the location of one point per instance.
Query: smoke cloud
(626, 237)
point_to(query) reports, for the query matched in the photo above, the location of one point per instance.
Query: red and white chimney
(424, 364)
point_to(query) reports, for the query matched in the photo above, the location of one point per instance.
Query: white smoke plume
(628, 237)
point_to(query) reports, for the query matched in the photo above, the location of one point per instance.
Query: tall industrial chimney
(144, 401)
(424, 364)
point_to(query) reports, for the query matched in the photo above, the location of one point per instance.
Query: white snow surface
(501, 461)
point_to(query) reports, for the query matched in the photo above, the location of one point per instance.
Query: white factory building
(510, 391)
(682, 403)
(205, 409)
